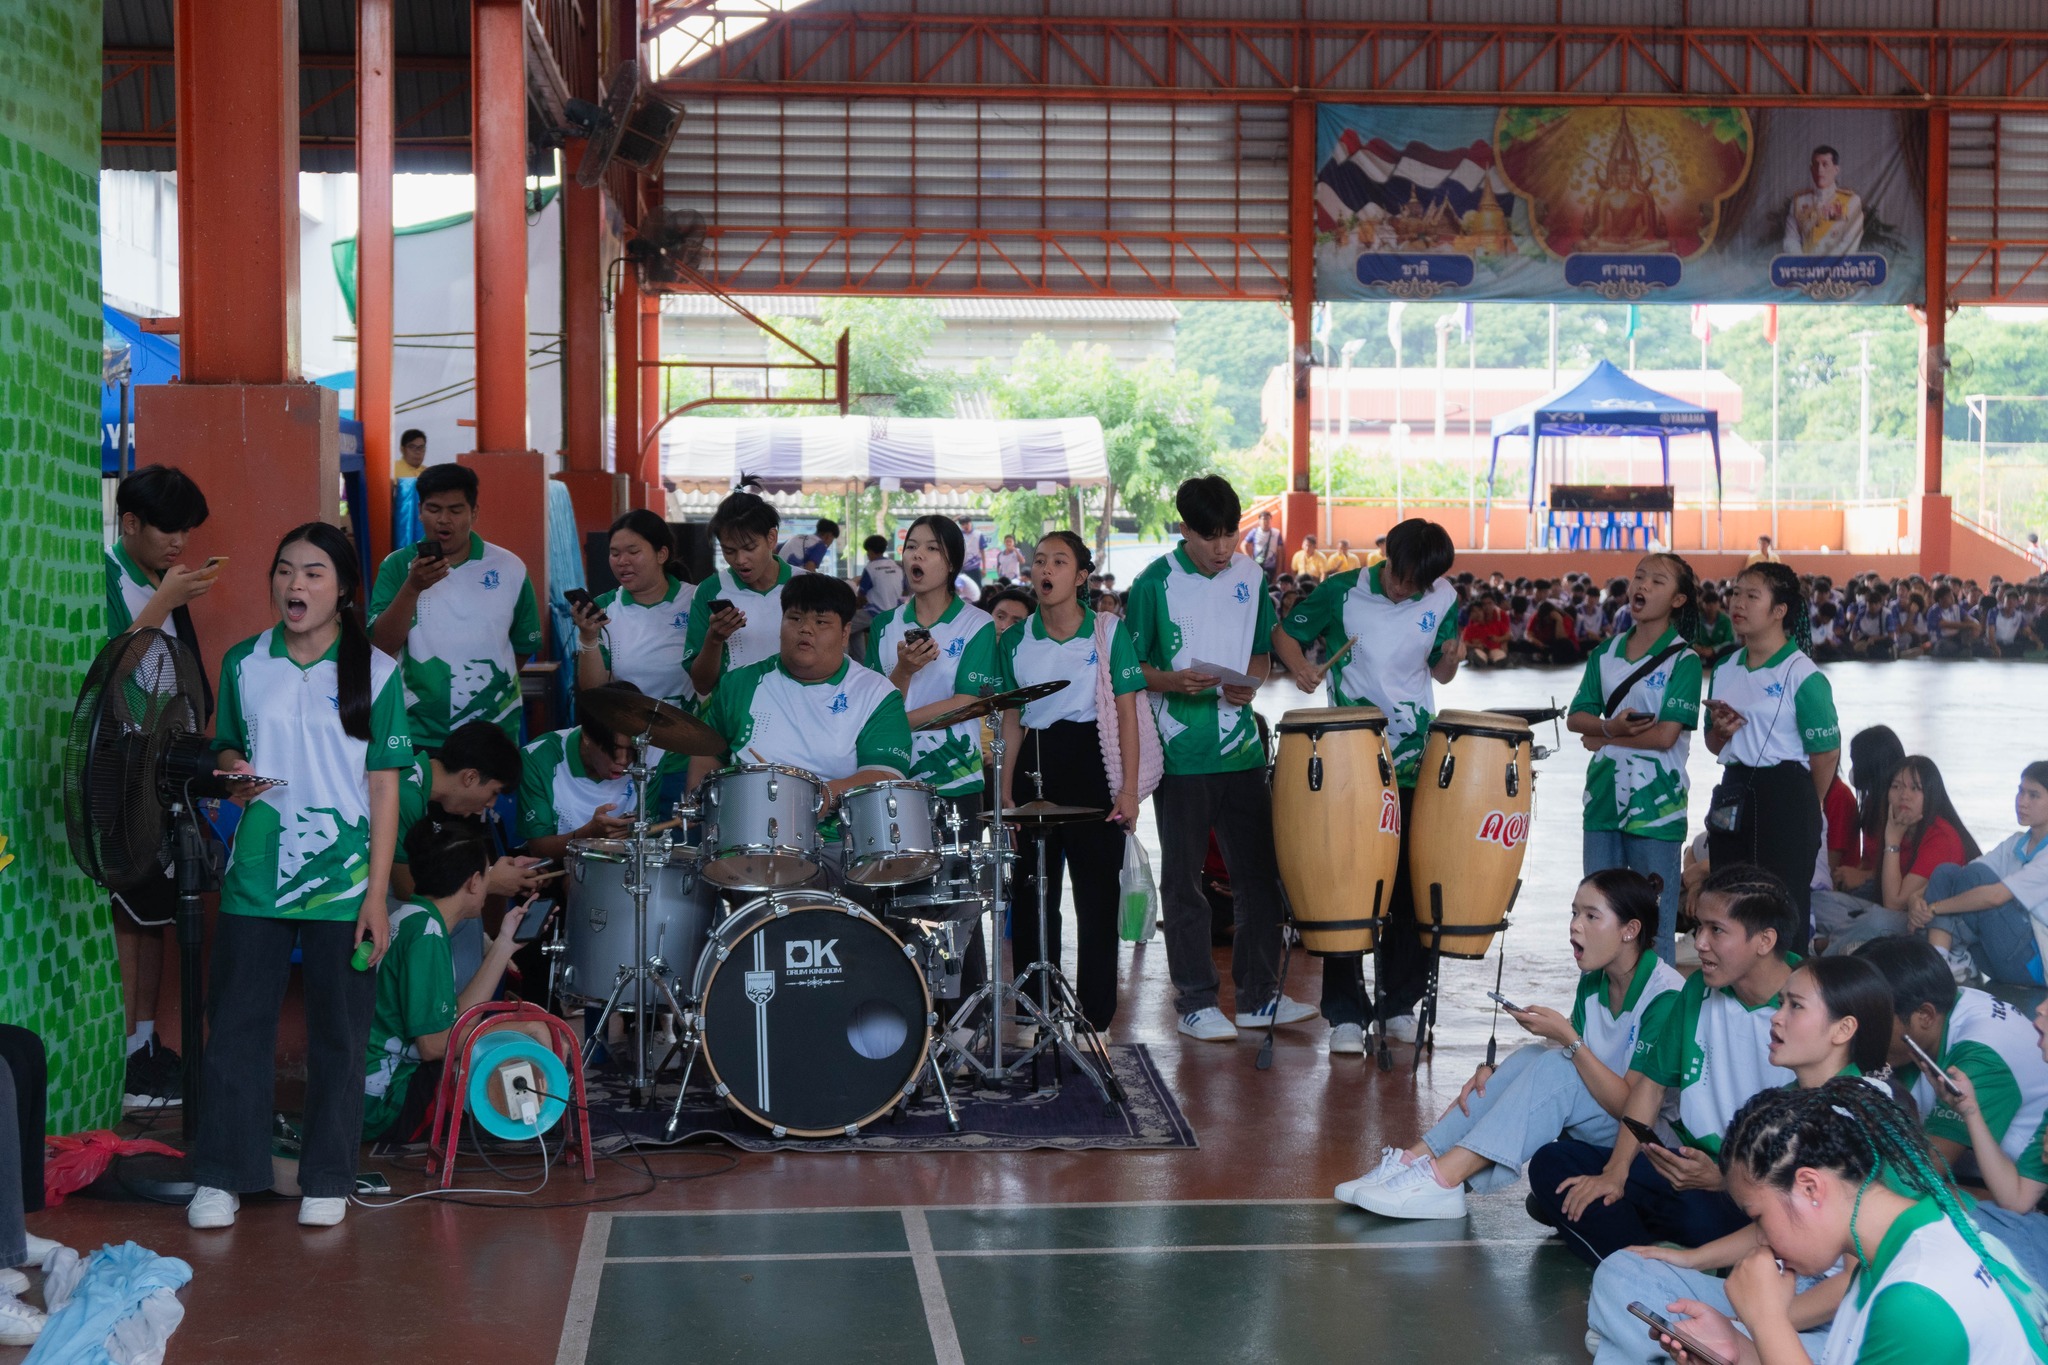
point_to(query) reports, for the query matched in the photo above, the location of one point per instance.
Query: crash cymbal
(628, 714)
(1050, 813)
(995, 701)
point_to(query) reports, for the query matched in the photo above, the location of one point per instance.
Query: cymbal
(995, 701)
(1534, 715)
(628, 714)
(1049, 813)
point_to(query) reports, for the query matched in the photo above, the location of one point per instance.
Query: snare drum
(814, 1016)
(598, 929)
(891, 835)
(1336, 825)
(761, 826)
(1471, 828)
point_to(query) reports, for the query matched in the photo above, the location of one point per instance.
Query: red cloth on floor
(77, 1160)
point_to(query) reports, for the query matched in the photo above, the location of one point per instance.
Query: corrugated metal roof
(953, 310)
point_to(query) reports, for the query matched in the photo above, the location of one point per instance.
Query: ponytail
(1787, 593)
(1685, 619)
(352, 666)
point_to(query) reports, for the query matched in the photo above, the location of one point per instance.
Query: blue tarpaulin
(1603, 402)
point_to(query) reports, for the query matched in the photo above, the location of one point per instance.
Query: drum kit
(811, 1001)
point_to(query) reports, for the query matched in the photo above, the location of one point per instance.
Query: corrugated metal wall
(1998, 207)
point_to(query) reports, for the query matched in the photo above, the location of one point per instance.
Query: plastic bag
(1138, 899)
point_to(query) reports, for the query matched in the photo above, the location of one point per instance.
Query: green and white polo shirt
(302, 850)
(834, 727)
(1610, 1036)
(1715, 1049)
(646, 645)
(468, 631)
(1641, 791)
(1177, 614)
(415, 998)
(1996, 1046)
(557, 793)
(760, 638)
(1028, 656)
(965, 637)
(1926, 1298)
(415, 791)
(1389, 667)
(1788, 704)
(128, 592)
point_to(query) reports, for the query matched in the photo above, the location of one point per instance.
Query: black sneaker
(148, 1085)
(170, 1069)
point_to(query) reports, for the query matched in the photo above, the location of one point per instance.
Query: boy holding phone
(417, 1004)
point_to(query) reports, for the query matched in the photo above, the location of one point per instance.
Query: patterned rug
(1070, 1119)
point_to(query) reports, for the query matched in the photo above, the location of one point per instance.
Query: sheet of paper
(1229, 675)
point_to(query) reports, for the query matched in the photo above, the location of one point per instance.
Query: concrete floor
(1293, 1278)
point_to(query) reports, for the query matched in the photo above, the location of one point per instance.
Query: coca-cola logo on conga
(1390, 813)
(1507, 830)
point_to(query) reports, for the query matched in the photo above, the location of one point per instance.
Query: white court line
(931, 1287)
(582, 1313)
(984, 1253)
(957, 1208)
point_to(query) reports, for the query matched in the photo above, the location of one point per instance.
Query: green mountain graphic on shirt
(315, 869)
(446, 696)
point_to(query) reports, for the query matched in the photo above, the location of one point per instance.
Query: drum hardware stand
(1425, 1017)
(644, 968)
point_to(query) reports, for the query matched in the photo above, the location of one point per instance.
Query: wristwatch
(1891, 848)
(1571, 1049)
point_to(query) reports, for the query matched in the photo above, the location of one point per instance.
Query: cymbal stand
(644, 968)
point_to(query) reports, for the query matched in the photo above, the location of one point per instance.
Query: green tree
(887, 342)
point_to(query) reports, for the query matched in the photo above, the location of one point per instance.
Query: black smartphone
(1933, 1070)
(916, 635)
(1659, 1323)
(719, 604)
(579, 597)
(1503, 1002)
(431, 549)
(534, 920)
(1643, 1132)
(1637, 717)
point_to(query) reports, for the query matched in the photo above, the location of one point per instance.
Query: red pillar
(261, 443)
(374, 262)
(652, 406)
(590, 485)
(626, 378)
(513, 497)
(1298, 504)
(1937, 522)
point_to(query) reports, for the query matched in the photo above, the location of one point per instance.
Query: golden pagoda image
(1484, 230)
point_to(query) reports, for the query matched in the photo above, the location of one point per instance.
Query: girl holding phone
(311, 701)
(638, 631)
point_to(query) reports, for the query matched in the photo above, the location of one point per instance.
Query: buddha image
(1623, 216)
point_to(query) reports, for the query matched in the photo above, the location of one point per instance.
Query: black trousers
(1780, 831)
(1239, 808)
(252, 961)
(24, 1097)
(1067, 757)
(1403, 966)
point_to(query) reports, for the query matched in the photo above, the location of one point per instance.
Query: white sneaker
(38, 1248)
(321, 1213)
(211, 1208)
(1412, 1192)
(13, 1282)
(1347, 1040)
(1390, 1162)
(1208, 1025)
(1288, 1009)
(1959, 964)
(1402, 1028)
(20, 1324)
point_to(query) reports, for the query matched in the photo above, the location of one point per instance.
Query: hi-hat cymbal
(628, 714)
(1050, 813)
(995, 701)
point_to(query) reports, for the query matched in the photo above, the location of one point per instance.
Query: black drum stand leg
(1379, 1001)
(1264, 1060)
(939, 1080)
(1425, 1017)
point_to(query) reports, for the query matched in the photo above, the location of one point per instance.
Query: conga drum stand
(1426, 1011)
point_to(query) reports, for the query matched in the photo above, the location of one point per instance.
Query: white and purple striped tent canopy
(709, 454)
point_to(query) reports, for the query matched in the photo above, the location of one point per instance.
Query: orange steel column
(1934, 513)
(262, 444)
(374, 263)
(1298, 504)
(626, 427)
(653, 407)
(512, 499)
(590, 485)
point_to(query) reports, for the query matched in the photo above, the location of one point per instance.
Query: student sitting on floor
(417, 1003)
(1570, 1081)
(1922, 831)
(1982, 914)
(1835, 1019)
(1711, 1042)
(1991, 1041)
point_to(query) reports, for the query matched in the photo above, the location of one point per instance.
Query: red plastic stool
(446, 1132)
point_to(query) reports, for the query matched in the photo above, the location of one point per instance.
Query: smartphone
(1643, 1132)
(1497, 998)
(1659, 1323)
(212, 563)
(719, 604)
(535, 919)
(1637, 717)
(579, 597)
(431, 549)
(916, 635)
(1933, 1070)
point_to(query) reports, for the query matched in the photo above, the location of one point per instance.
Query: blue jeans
(1534, 1095)
(1626, 1278)
(1999, 940)
(1648, 1211)
(1609, 848)
(2025, 1235)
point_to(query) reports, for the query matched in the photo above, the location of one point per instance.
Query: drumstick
(664, 825)
(1338, 657)
(755, 754)
(549, 876)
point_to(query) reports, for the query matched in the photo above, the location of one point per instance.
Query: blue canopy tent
(1602, 402)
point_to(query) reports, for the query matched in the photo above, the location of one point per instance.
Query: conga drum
(1471, 828)
(1336, 824)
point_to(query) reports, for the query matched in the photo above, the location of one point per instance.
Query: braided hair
(1851, 1128)
(1787, 593)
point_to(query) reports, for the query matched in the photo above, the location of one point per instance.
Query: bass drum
(815, 1018)
(1336, 824)
(1471, 828)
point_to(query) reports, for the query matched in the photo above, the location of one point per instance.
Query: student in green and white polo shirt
(149, 585)
(1771, 722)
(748, 628)
(574, 784)
(417, 1002)
(2016, 1179)
(639, 631)
(1711, 1042)
(1204, 602)
(1403, 613)
(474, 768)
(461, 620)
(309, 701)
(1636, 784)
(809, 707)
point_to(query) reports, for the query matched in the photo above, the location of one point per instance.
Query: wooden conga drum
(1471, 828)
(1336, 824)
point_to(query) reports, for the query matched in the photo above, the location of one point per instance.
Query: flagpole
(1774, 426)
(1705, 330)
(1472, 432)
